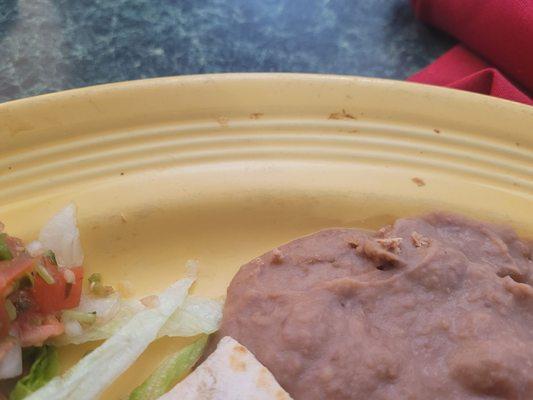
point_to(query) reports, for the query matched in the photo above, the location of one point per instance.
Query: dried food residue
(419, 181)
(341, 115)
(223, 121)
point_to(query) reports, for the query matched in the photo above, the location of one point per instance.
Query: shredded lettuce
(43, 369)
(198, 315)
(97, 370)
(172, 369)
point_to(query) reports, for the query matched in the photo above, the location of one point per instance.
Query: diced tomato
(14, 269)
(34, 328)
(4, 319)
(60, 295)
(10, 271)
(36, 306)
(23, 300)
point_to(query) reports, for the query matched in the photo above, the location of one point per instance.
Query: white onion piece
(61, 235)
(35, 248)
(69, 275)
(73, 328)
(11, 362)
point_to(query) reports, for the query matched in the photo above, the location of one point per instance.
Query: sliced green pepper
(97, 288)
(51, 257)
(43, 273)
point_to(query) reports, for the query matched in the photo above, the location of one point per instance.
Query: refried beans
(435, 307)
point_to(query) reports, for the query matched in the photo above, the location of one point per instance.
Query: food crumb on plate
(223, 121)
(418, 181)
(341, 115)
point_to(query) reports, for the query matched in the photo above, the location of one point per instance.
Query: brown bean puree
(437, 307)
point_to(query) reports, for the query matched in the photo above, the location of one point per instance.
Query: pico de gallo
(34, 291)
(43, 306)
(40, 282)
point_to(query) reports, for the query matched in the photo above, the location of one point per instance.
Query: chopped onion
(11, 362)
(35, 248)
(72, 328)
(69, 276)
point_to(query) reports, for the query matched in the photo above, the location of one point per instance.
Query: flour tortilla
(230, 373)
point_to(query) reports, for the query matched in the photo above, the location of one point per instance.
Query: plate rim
(419, 88)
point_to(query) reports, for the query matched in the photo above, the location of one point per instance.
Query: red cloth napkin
(501, 31)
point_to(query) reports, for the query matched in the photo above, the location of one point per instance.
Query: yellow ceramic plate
(221, 168)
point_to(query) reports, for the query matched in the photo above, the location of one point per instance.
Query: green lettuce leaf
(172, 369)
(43, 369)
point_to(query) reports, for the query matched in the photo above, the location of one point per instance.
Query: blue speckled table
(51, 45)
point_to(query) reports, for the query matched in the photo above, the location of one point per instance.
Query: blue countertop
(51, 45)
